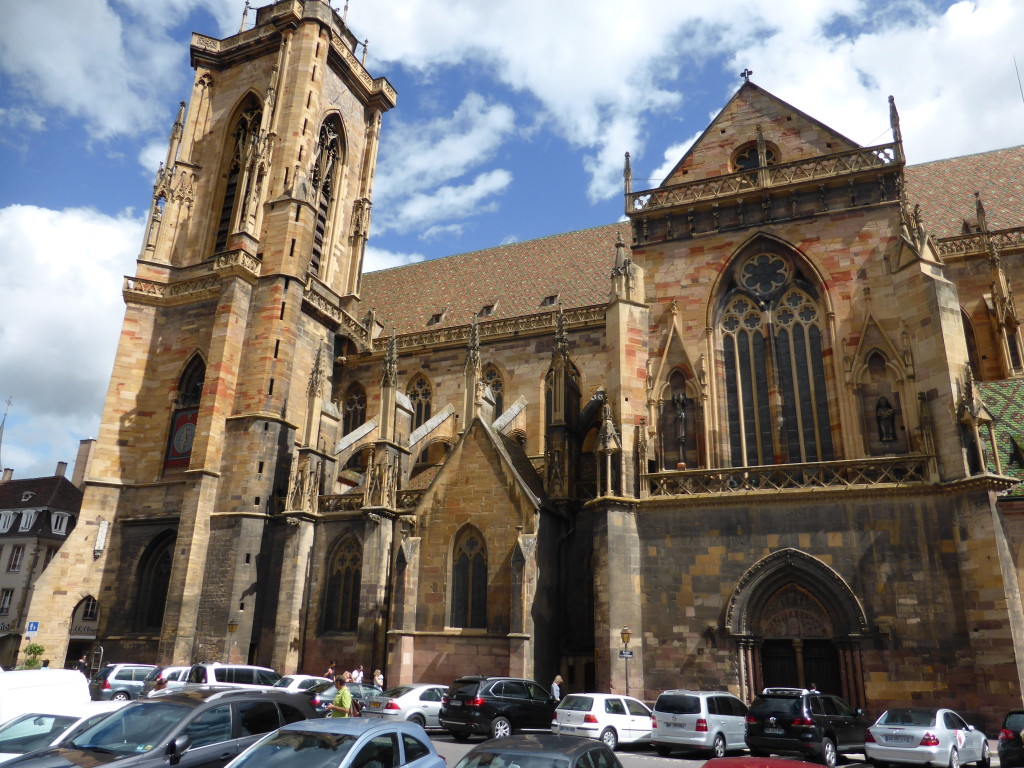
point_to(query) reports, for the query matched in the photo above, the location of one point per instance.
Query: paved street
(629, 755)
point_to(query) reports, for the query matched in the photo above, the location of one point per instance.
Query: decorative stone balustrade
(892, 471)
(830, 166)
(974, 242)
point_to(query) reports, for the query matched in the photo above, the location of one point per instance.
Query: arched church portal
(797, 624)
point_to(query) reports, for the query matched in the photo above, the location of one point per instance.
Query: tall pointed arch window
(492, 378)
(324, 177)
(771, 330)
(153, 578)
(241, 161)
(469, 580)
(353, 408)
(185, 415)
(344, 577)
(420, 395)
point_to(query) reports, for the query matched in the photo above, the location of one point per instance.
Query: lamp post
(232, 628)
(625, 634)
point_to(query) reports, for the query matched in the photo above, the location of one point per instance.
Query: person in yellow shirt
(342, 704)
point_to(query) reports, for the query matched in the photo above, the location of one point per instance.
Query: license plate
(775, 731)
(893, 738)
(454, 703)
(568, 728)
(375, 704)
(676, 725)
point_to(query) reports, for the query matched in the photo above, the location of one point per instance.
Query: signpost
(31, 628)
(625, 654)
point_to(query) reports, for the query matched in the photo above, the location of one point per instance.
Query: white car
(37, 730)
(925, 736)
(417, 703)
(300, 683)
(609, 717)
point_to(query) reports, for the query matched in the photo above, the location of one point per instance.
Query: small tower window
(549, 301)
(487, 310)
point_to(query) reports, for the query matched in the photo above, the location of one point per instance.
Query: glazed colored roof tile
(1005, 401)
(945, 190)
(576, 266)
(51, 492)
(514, 278)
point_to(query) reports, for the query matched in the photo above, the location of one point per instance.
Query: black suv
(810, 723)
(495, 706)
(200, 728)
(1011, 748)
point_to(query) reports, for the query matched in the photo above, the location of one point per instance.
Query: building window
(486, 311)
(772, 342)
(90, 609)
(324, 178)
(344, 579)
(436, 318)
(59, 522)
(6, 521)
(469, 581)
(419, 395)
(243, 152)
(51, 552)
(492, 378)
(28, 519)
(746, 158)
(14, 561)
(354, 408)
(185, 417)
(6, 598)
(549, 301)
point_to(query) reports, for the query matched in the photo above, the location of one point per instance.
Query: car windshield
(401, 690)
(511, 760)
(284, 682)
(922, 717)
(290, 748)
(678, 704)
(577, 703)
(785, 705)
(29, 732)
(135, 729)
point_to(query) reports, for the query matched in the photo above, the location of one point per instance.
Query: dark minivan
(495, 706)
(202, 728)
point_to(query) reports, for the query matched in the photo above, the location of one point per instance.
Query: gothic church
(771, 423)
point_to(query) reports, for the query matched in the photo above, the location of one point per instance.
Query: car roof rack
(784, 691)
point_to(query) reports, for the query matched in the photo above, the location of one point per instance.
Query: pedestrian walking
(330, 673)
(357, 674)
(342, 704)
(556, 688)
(378, 679)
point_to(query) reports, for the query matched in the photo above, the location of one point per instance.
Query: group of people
(356, 675)
(344, 705)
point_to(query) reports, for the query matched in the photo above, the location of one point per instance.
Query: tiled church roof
(576, 266)
(1005, 401)
(945, 189)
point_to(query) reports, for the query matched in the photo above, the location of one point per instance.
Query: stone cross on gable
(745, 74)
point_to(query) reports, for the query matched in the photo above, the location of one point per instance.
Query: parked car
(800, 721)
(418, 703)
(495, 706)
(925, 736)
(540, 750)
(175, 677)
(120, 682)
(322, 694)
(236, 675)
(609, 717)
(299, 682)
(29, 690)
(757, 762)
(200, 728)
(708, 720)
(1010, 746)
(343, 743)
(50, 727)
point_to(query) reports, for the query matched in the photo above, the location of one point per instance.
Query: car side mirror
(177, 747)
(858, 712)
(970, 727)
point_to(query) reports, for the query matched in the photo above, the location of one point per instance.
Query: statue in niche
(679, 403)
(885, 415)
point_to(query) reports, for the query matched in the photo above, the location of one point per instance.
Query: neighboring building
(36, 517)
(742, 423)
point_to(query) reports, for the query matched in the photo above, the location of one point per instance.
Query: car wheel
(610, 738)
(828, 753)
(500, 727)
(954, 758)
(718, 747)
(418, 719)
(986, 756)
(663, 749)
(121, 696)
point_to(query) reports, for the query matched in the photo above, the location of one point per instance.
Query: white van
(32, 690)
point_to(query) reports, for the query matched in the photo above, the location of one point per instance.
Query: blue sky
(512, 120)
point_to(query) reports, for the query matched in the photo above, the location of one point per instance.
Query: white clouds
(21, 119)
(672, 156)
(62, 310)
(417, 162)
(377, 259)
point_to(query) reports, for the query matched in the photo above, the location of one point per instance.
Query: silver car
(925, 736)
(417, 703)
(714, 721)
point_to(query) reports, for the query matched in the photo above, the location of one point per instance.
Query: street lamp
(625, 634)
(232, 629)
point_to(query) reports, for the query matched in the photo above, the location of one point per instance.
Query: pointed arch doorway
(797, 624)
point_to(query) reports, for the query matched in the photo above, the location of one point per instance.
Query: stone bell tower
(214, 430)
